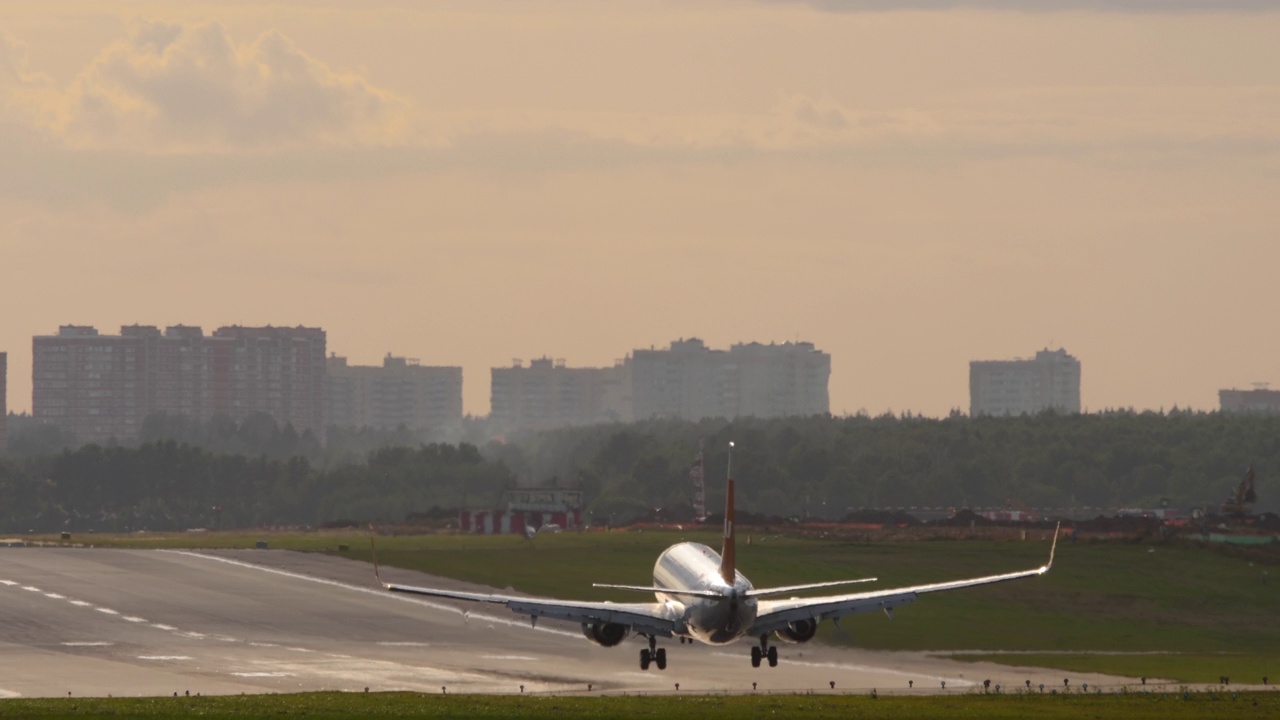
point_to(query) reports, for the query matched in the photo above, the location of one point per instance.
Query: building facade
(102, 387)
(1260, 400)
(1049, 381)
(549, 394)
(688, 380)
(401, 392)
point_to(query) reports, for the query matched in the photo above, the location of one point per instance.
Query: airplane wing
(774, 615)
(648, 618)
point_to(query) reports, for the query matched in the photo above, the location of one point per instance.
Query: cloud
(173, 87)
(1043, 6)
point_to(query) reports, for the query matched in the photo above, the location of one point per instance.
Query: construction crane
(1245, 495)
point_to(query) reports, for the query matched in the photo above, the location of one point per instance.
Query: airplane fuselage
(694, 566)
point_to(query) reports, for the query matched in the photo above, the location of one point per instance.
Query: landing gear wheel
(661, 659)
(644, 659)
(755, 656)
(773, 656)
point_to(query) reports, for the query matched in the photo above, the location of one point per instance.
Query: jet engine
(605, 634)
(798, 631)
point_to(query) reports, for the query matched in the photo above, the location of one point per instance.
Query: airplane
(700, 595)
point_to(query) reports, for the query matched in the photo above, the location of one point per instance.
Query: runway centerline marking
(55, 596)
(370, 591)
(28, 588)
(133, 619)
(10, 583)
(107, 611)
(88, 644)
(164, 657)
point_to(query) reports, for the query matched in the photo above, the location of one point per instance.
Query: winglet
(728, 556)
(1053, 547)
(373, 553)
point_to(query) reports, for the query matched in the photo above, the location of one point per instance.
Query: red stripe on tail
(728, 559)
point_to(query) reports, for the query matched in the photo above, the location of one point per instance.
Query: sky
(910, 185)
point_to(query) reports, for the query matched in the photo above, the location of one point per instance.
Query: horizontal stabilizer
(760, 592)
(668, 591)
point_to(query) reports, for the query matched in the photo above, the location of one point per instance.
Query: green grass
(1214, 614)
(1131, 706)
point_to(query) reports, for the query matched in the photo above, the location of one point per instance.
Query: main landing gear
(653, 654)
(764, 651)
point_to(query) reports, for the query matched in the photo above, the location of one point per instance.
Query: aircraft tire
(644, 659)
(661, 659)
(755, 656)
(773, 656)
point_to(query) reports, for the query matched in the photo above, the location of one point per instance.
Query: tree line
(228, 474)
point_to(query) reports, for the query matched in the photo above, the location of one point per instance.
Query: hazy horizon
(909, 186)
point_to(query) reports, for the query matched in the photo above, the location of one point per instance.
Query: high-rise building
(4, 406)
(691, 381)
(401, 392)
(1049, 381)
(549, 394)
(1260, 400)
(279, 371)
(101, 387)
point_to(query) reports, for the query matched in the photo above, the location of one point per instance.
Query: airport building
(101, 387)
(525, 511)
(1049, 381)
(549, 394)
(1260, 400)
(401, 392)
(4, 400)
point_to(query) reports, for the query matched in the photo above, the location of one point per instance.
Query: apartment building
(102, 387)
(548, 394)
(1049, 381)
(400, 392)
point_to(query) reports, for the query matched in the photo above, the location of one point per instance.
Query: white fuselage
(694, 566)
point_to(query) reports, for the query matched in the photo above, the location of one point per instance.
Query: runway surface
(94, 622)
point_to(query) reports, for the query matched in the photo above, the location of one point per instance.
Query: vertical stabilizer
(728, 565)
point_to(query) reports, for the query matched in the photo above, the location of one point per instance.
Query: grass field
(1131, 706)
(1176, 611)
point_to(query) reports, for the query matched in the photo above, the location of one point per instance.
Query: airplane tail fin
(728, 558)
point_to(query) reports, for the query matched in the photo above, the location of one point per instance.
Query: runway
(97, 622)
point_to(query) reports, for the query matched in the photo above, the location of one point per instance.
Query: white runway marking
(88, 644)
(158, 626)
(405, 643)
(164, 657)
(380, 593)
(525, 658)
(108, 611)
(193, 635)
(81, 603)
(55, 596)
(262, 674)
(9, 694)
(8, 582)
(261, 644)
(131, 618)
(28, 588)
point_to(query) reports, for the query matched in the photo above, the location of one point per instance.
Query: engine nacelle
(798, 631)
(605, 634)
